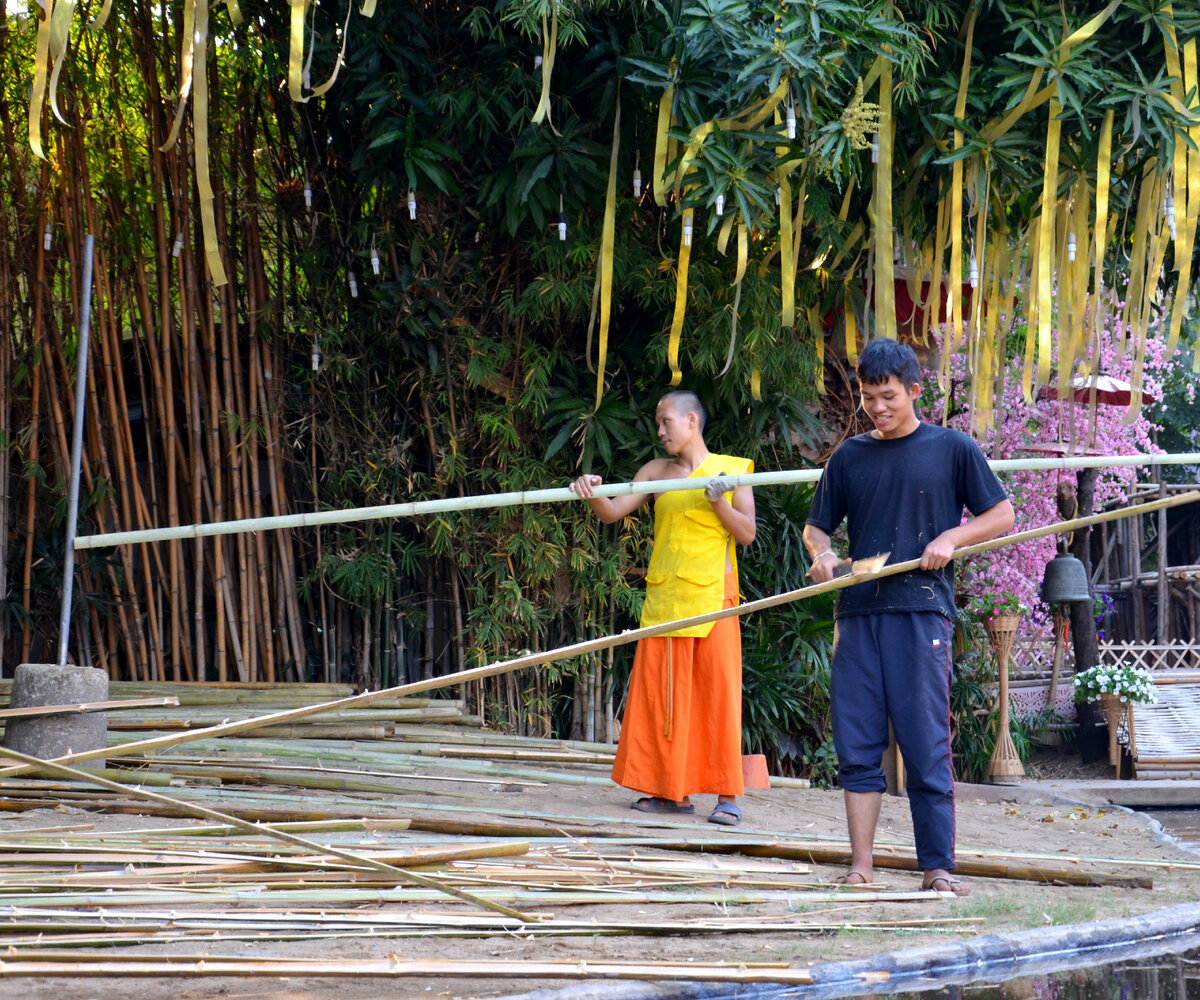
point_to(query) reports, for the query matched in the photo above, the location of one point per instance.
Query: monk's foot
(653, 804)
(856, 877)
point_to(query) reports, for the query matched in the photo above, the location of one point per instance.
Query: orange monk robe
(691, 688)
(682, 728)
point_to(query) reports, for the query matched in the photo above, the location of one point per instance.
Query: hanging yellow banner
(681, 281)
(881, 212)
(549, 48)
(607, 239)
(662, 146)
(208, 219)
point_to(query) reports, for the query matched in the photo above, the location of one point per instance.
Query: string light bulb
(974, 273)
(353, 286)
(687, 227)
(316, 355)
(791, 121)
(562, 220)
(778, 195)
(875, 148)
(48, 237)
(307, 195)
(1169, 207)
(374, 259)
(412, 204)
(637, 173)
(177, 249)
(1071, 245)
(720, 204)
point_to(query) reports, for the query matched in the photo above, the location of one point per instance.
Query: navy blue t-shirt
(898, 495)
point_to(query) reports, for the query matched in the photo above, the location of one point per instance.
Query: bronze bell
(1065, 580)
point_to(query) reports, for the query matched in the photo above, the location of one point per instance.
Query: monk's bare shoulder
(658, 468)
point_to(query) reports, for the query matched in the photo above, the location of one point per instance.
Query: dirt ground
(991, 826)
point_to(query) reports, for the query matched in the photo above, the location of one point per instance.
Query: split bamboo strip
(592, 645)
(85, 707)
(212, 814)
(88, 965)
(487, 501)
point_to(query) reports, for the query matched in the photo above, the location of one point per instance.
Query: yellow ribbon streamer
(662, 145)
(817, 332)
(851, 324)
(607, 239)
(339, 62)
(101, 19)
(368, 8)
(954, 292)
(187, 59)
(881, 212)
(38, 95)
(208, 219)
(1103, 185)
(299, 15)
(743, 257)
(681, 279)
(1045, 257)
(60, 34)
(933, 298)
(1034, 308)
(549, 47)
(1189, 194)
(1034, 98)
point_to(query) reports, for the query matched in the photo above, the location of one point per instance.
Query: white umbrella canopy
(1109, 390)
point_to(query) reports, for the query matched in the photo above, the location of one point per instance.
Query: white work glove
(716, 489)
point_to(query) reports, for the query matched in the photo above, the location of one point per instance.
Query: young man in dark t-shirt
(902, 489)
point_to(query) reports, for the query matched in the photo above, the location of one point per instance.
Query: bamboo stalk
(481, 502)
(212, 814)
(100, 964)
(84, 707)
(591, 645)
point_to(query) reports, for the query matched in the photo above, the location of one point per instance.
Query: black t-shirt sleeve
(978, 486)
(828, 507)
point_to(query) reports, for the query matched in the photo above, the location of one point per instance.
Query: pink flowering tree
(1014, 573)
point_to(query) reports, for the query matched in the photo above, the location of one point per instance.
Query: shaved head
(684, 402)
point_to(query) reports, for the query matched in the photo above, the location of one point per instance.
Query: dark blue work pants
(897, 666)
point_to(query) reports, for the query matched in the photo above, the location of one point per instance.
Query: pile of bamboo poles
(200, 705)
(417, 838)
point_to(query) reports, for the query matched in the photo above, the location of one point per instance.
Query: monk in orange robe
(682, 729)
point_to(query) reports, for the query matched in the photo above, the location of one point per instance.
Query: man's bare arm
(612, 509)
(820, 551)
(992, 522)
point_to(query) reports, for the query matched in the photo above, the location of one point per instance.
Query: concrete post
(50, 736)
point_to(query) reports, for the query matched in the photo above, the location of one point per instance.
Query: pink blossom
(1019, 568)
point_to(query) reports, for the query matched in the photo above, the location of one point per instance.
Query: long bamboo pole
(416, 508)
(605, 642)
(101, 964)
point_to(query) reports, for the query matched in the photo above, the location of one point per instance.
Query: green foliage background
(466, 365)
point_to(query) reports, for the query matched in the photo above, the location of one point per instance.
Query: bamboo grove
(353, 255)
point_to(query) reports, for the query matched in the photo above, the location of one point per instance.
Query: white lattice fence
(1173, 656)
(1033, 658)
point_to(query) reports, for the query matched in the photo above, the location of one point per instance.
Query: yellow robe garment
(681, 732)
(686, 575)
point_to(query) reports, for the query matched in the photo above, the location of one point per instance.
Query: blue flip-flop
(726, 814)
